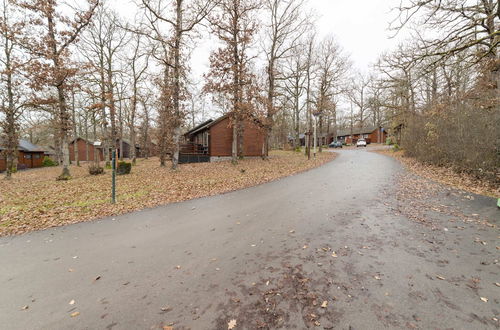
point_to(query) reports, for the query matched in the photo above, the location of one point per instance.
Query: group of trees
(441, 92)
(79, 69)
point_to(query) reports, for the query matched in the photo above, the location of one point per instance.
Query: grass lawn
(34, 200)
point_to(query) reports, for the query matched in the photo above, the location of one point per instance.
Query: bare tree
(294, 87)
(467, 25)
(332, 67)
(359, 96)
(286, 26)
(138, 62)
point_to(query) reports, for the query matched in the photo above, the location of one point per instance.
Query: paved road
(267, 257)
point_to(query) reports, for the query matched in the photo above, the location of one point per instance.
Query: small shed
(212, 140)
(29, 155)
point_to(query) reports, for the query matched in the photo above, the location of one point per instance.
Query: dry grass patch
(445, 175)
(34, 200)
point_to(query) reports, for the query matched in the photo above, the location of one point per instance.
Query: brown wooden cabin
(212, 141)
(29, 155)
(83, 144)
(85, 147)
(370, 134)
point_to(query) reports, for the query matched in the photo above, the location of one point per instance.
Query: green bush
(395, 147)
(389, 141)
(48, 162)
(94, 169)
(123, 168)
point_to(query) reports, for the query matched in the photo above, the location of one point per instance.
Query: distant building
(370, 134)
(29, 155)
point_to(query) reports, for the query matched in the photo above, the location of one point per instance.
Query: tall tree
(12, 105)
(186, 16)
(230, 73)
(295, 77)
(49, 33)
(138, 62)
(332, 67)
(286, 26)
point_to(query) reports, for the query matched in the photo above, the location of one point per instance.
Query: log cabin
(29, 155)
(212, 140)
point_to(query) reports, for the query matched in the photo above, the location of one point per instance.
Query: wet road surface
(355, 244)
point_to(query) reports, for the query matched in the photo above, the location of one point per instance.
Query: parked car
(361, 143)
(335, 144)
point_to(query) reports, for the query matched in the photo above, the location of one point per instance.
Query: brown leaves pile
(34, 200)
(446, 175)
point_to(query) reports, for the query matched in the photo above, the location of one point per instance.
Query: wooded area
(80, 70)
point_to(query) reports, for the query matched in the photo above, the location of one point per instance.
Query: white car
(361, 143)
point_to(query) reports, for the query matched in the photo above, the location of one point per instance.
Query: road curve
(268, 256)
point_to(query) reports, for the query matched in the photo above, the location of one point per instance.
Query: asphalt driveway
(335, 247)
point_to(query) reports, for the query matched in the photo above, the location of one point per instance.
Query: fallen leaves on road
(34, 200)
(75, 314)
(72, 302)
(324, 304)
(484, 299)
(231, 324)
(440, 277)
(25, 307)
(446, 175)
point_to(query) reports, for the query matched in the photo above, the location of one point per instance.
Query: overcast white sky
(360, 26)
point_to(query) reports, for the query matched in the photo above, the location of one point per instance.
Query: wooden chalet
(29, 155)
(212, 140)
(370, 134)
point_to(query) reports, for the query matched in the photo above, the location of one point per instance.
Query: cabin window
(205, 139)
(27, 156)
(36, 156)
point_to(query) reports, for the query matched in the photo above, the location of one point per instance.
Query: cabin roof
(25, 145)
(356, 130)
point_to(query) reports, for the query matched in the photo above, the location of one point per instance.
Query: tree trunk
(64, 130)
(234, 146)
(177, 85)
(10, 128)
(75, 132)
